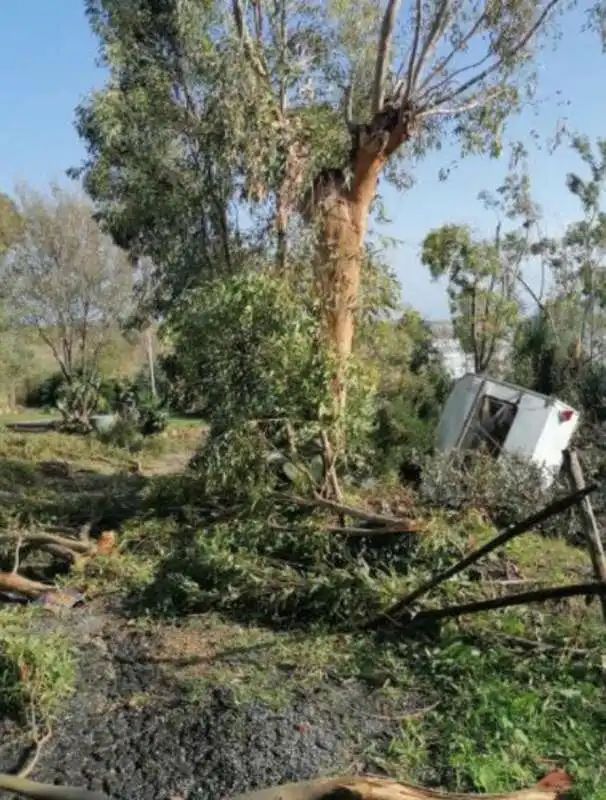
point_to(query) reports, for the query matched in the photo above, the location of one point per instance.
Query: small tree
(482, 290)
(11, 224)
(68, 279)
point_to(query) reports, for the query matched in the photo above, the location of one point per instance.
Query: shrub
(506, 489)
(254, 350)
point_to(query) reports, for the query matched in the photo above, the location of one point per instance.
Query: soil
(132, 731)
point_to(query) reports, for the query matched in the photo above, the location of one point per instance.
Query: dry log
(367, 788)
(346, 788)
(12, 582)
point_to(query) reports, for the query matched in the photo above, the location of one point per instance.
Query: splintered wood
(369, 788)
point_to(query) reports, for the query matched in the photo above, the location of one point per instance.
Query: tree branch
(414, 48)
(48, 791)
(383, 51)
(432, 38)
(476, 102)
(439, 69)
(499, 62)
(513, 531)
(523, 598)
(346, 510)
(371, 788)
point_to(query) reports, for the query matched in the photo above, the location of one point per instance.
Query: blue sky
(47, 64)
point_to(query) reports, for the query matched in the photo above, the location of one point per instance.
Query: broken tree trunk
(339, 206)
(367, 788)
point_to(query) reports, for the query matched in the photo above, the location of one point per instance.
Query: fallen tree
(343, 788)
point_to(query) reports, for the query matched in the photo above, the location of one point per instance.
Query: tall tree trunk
(281, 232)
(340, 211)
(150, 361)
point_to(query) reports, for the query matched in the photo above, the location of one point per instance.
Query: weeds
(37, 667)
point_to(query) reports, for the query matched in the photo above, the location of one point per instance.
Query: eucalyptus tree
(297, 108)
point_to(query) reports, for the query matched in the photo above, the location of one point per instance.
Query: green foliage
(66, 279)
(253, 350)
(11, 224)
(559, 349)
(37, 667)
(506, 489)
(77, 399)
(506, 718)
(412, 389)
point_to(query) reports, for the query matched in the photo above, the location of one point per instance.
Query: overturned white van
(501, 417)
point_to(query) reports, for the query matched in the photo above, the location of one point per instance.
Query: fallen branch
(551, 510)
(391, 529)
(12, 582)
(29, 766)
(83, 547)
(47, 791)
(367, 788)
(523, 598)
(340, 508)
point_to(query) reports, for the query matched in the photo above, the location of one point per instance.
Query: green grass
(508, 694)
(28, 415)
(37, 667)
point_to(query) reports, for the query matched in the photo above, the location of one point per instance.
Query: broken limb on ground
(67, 546)
(341, 788)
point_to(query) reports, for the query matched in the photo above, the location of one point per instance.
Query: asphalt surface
(130, 732)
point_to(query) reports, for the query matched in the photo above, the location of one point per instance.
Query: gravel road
(131, 732)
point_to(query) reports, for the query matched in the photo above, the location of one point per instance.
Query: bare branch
(496, 65)
(433, 37)
(414, 48)
(477, 102)
(439, 69)
(383, 50)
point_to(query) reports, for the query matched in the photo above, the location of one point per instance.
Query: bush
(506, 489)
(254, 351)
(45, 393)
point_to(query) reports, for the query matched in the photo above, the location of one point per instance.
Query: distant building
(455, 360)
